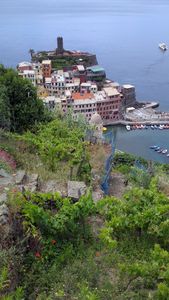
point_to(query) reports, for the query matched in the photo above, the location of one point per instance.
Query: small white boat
(164, 151)
(163, 46)
(128, 127)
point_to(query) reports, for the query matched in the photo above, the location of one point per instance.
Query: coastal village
(73, 80)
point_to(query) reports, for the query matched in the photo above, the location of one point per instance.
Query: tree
(4, 109)
(25, 108)
(31, 52)
(2, 70)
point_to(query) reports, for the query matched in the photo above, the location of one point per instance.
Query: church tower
(60, 48)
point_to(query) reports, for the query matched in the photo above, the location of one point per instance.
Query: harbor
(138, 142)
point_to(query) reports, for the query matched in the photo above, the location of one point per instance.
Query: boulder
(5, 181)
(32, 183)
(32, 178)
(76, 189)
(20, 177)
(53, 186)
(4, 174)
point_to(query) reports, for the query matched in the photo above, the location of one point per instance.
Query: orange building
(46, 68)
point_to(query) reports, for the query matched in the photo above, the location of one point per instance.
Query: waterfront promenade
(125, 122)
(145, 116)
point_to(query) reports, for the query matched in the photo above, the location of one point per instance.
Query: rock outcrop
(31, 182)
(22, 181)
(76, 189)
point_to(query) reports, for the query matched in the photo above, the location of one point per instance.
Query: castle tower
(60, 48)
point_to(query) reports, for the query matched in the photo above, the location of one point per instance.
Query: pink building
(106, 103)
(109, 103)
(80, 103)
(24, 66)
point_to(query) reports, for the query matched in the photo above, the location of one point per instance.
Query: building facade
(46, 68)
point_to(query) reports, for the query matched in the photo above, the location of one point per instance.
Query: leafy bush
(61, 141)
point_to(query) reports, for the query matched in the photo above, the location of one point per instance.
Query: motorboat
(154, 147)
(164, 151)
(128, 127)
(163, 46)
(158, 149)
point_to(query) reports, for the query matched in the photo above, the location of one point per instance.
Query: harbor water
(123, 33)
(138, 142)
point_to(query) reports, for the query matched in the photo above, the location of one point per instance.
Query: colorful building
(46, 68)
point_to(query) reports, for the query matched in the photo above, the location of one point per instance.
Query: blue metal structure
(110, 138)
(139, 165)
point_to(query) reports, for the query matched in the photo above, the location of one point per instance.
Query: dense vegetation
(112, 249)
(63, 62)
(59, 143)
(56, 248)
(20, 109)
(59, 63)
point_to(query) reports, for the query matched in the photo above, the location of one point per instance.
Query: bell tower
(60, 48)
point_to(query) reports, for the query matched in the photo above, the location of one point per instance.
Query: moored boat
(128, 127)
(153, 147)
(163, 46)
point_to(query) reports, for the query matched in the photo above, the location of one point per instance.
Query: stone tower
(60, 48)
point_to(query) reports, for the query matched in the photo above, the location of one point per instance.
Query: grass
(5, 166)
(30, 161)
(60, 63)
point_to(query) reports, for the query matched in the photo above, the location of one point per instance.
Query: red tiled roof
(84, 96)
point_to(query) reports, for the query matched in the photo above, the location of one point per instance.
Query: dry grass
(163, 183)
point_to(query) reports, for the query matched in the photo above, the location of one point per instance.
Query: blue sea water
(123, 33)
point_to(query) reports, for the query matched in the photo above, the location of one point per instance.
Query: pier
(142, 116)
